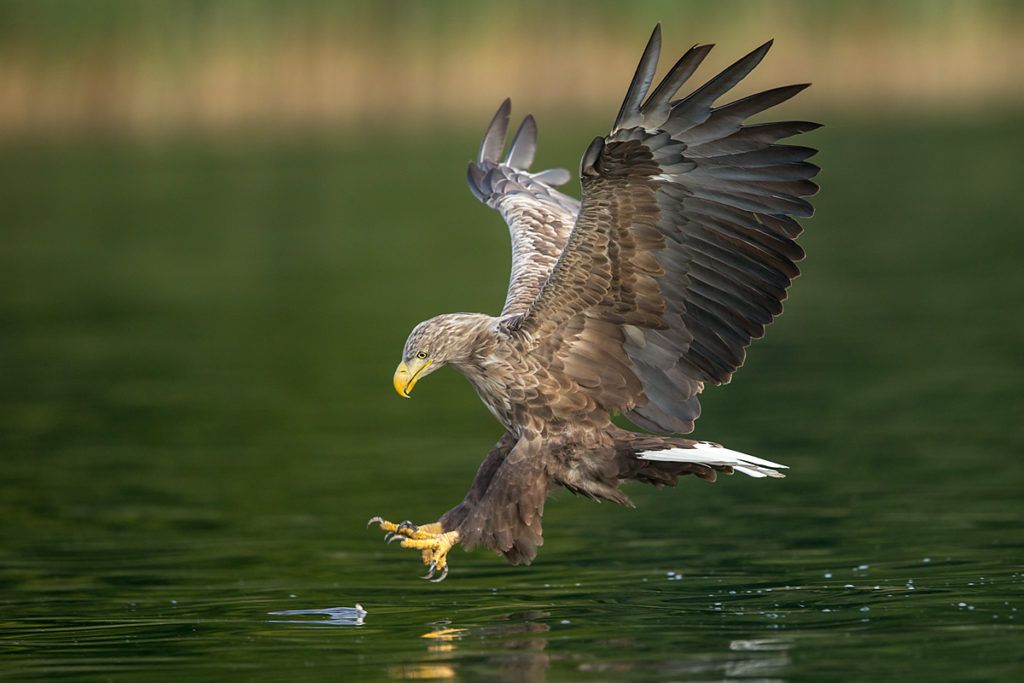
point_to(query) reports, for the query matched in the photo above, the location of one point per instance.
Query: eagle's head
(434, 343)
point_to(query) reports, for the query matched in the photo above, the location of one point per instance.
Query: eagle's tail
(713, 455)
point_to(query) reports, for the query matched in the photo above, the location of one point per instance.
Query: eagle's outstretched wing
(539, 217)
(683, 248)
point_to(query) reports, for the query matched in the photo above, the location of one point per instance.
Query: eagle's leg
(431, 540)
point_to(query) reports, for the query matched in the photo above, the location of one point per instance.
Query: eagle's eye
(421, 355)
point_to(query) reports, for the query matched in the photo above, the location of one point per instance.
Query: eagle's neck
(491, 362)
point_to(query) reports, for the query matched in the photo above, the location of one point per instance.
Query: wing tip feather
(524, 145)
(494, 136)
(641, 83)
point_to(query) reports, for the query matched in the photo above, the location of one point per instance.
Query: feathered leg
(436, 539)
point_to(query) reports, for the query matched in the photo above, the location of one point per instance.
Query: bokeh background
(162, 68)
(219, 220)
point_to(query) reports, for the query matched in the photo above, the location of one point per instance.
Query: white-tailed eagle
(680, 252)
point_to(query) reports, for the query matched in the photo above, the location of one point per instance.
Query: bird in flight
(629, 300)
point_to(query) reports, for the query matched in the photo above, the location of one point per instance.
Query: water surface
(196, 421)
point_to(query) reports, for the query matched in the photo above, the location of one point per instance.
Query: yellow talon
(430, 539)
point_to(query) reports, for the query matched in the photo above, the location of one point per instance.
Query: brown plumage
(679, 254)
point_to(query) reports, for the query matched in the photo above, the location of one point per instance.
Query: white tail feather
(704, 453)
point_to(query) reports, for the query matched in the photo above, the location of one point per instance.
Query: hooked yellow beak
(406, 376)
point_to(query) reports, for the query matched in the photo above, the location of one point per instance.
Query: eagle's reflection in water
(517, 651)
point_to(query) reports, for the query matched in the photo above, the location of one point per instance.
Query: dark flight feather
(725, 218)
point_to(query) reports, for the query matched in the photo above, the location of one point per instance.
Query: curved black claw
(444, 574)
(430, 571)
(407, 526)
(392, 537)
(375, 520)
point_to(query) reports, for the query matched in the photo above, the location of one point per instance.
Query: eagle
(627, 301)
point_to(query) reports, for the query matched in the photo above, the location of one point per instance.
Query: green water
(197, 419)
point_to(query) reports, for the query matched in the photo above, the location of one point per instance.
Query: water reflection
(519, 651)
(335, 616)
(519, 658)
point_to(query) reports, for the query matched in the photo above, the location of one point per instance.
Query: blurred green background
(163, 67)
(219, 220)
